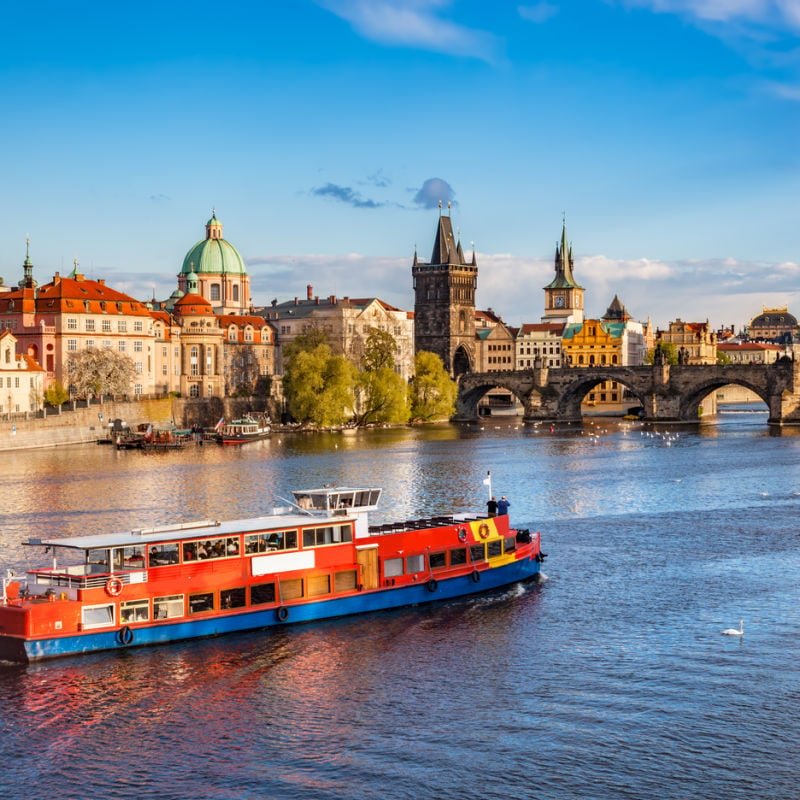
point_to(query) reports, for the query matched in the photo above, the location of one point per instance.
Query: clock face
(560, 302)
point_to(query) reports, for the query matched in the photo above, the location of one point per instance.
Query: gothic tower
(563, 297)
(444, 301)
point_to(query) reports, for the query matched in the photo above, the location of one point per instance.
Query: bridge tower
(444, 301)
(563, 296)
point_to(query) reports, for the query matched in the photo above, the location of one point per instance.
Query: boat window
(392, 567)
(291, 589)
(262, 593)
(437, 560)
(128, 557)
(345, 581)
(477, 553)
(167, 607)
(373, 497)
(97, 560)
(160, 555)
(363, 499)
(97, 616)
(495, 548)
(134, 611)
(330, 534)
(319, 584)
(201, 602)
(211, 548)
(232, 598)
(415, 563)
(267, 542)
(510, 544)
(458, 555)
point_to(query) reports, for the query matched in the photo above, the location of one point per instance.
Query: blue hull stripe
(162, 632)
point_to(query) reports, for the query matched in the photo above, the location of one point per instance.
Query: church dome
(214, 255)
(193, 305)
(774, 318)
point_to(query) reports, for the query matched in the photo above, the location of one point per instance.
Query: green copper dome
(214, 254)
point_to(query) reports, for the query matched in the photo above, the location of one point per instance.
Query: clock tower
(563, 297)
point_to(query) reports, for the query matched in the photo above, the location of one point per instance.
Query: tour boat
(313, 559)
(239, 431)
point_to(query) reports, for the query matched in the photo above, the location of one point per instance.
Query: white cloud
(767, 12)
(538, 12)
(415, 23)
(726, 291)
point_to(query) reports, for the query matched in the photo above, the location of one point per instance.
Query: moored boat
(247, 429)
(315, 559)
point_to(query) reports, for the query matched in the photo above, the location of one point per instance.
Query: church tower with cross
(444, 300)
(563, 296)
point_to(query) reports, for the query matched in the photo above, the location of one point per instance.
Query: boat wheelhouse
(314, 558)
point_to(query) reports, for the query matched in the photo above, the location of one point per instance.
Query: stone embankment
(88, 424)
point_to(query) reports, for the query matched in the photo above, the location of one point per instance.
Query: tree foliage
(381, 396)
(433, 392)
(317, 384)
(94, 372)
(379, 351)
(55, 394)
(669, 350)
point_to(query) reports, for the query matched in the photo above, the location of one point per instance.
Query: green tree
(56, 395)
(723, 358)
(381, 396)
(318, 385)
(379, 351)
(669, 350)
(433, 392)
(94, 372)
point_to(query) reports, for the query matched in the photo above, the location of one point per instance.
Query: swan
(735, 631)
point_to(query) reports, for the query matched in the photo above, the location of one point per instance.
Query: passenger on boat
(201, 550)
(491, 507)
(502, 505)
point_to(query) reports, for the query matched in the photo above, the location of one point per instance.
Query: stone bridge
(667, 393)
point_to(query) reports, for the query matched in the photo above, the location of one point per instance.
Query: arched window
(8, 355)
(235, 294)
(194, 390)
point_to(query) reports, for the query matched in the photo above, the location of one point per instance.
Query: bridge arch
(574, 392)
(691, 401)
(473, 386)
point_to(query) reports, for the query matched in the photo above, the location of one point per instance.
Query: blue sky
(324, 132)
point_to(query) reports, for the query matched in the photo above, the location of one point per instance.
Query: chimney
(295, 301)
(316, 299)
(56, 279)
(309, 292)
(332, 299)
(101, 281)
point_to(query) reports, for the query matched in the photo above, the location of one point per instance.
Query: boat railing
(420, 524)
(68, 577)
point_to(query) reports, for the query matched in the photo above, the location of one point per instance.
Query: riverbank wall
(90, 423)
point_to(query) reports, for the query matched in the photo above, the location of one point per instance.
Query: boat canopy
(331, 499)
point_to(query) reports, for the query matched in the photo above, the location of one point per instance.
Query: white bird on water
(735, 631)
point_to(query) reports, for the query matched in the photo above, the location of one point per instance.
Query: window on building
(215, 293)
(90, 344)
(89, 324)
(106, 325)
(138, 389)
(122, 345)
(122, 326)
(72, 345)
(72, 324)
(138, 346)
(235, 294)
(194, 390)
(138, 326)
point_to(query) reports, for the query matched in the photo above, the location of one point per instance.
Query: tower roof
(616, 312)
(564, 264)
(446, 250)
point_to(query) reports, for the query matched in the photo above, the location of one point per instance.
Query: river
(609, 679)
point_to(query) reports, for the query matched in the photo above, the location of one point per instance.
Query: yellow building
(696, 339)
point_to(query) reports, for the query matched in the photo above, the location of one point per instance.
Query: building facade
(773, 325)
(695, 340)
(539, 340)
(21, 378)
(444, 301)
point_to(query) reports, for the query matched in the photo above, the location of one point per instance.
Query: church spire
(564, 263)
